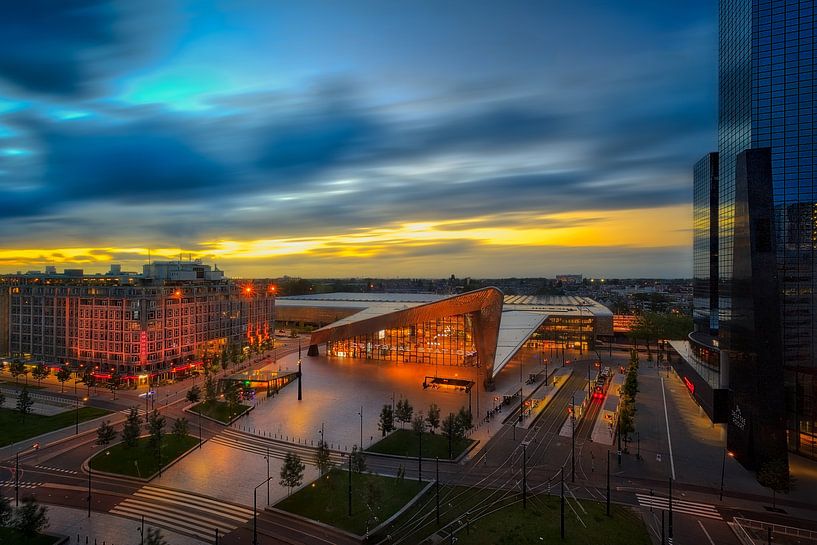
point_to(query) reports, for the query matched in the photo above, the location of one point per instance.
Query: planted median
(139, 456)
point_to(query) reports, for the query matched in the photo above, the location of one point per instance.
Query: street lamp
(361, 427)
(723, 468)
(255, 511)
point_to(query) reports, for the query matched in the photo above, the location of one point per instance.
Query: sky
(359, 138)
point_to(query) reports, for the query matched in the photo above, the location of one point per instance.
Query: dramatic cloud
(241, 136)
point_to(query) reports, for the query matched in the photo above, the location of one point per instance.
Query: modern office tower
(134, 327)
(766, 95)
(705, 245)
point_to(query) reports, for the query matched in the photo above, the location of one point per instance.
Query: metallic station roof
(519, 316)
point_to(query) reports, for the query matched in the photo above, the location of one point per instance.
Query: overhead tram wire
(492, 480)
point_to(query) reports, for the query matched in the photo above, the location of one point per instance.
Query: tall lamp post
(360, 414)
(255, 511)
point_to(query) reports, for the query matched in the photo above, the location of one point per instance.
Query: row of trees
(454, 424)
(626, 414)
(652, 326)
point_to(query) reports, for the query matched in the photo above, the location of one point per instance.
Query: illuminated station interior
(481, 329)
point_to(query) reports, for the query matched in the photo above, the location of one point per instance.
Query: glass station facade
(444, 341)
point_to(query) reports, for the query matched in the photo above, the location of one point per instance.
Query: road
(54, 475)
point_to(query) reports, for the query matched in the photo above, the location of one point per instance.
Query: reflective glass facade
(705, 244)
(767, 55)
(444, 341)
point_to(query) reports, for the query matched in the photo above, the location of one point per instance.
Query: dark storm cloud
(72, 49)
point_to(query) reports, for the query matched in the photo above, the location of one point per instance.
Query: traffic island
(487, 517)
(219, 411)
(375, 498)
(405, 443)
(16, 428)
(140, 460)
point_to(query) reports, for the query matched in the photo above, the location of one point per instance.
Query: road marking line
(701, 524)
(666, 419)
(170, 522)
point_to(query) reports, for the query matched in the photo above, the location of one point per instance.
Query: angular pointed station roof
(502, 324)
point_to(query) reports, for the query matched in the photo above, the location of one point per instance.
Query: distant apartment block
(136, 326)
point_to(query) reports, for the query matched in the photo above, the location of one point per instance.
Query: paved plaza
(335, 389)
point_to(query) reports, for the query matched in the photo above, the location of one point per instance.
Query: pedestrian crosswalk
(22, 484)
(702, 510)
(58, 469)
(260, 445)
(185, 512)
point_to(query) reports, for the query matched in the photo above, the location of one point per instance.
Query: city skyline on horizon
(363, 140)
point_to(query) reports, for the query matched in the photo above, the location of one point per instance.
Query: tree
(132, 428)
(292, 472)
(24, 402)
(322, 458)
(6, 511)
(774, 475)
(16, 369)
(418, 424)
(225, 358)
(209, 389)
(2, 398)
(403, 411)
(449, 428)
(373, 496)
(62, 376)
(386, 422)
(155, 537)
(30, 518)
(193, 394)
(180, 428)
(464, 422)
(358, 460)
(433, 417)
(105, 433)
(231, 395)
(40, 372)
(156, 429)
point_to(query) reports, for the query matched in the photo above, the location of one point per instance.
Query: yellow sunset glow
(638, 228)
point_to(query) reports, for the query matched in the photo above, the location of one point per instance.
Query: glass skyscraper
(705, 245)
(766, 100)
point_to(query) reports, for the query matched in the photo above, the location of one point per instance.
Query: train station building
(482, 329)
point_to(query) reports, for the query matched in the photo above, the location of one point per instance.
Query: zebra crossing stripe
(238, 514)
(681, 506)
(20, 484)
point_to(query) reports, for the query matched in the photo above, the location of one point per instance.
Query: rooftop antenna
(148, 256)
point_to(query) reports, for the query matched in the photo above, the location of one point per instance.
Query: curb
(131, 478)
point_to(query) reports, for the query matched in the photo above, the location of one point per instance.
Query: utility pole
(663, 531)
(89, 489)
(200, 440)
(669, 525)
(608, 483)
(562, 503)
(268, 477)
(573, 438)
(350, 484)
(17, 479)
(524, 475)
(419, 457)
(437, 490)
(300, 374)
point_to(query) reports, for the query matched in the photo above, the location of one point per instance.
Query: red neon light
(102, 375)
(690, 386)
(182, 367)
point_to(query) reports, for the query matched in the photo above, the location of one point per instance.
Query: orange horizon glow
(664, 227)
